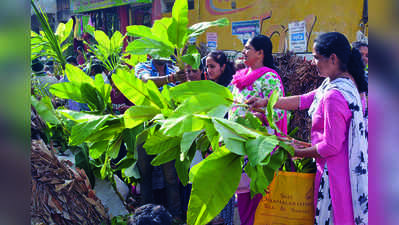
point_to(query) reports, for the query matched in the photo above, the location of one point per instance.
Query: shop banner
(245, 29)
(297, 36)
(79, 6)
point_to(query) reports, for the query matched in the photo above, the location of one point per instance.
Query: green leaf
(192, 57)
(178, 126)
(83, 130)
(79, 116)
(215, 179)
(234, 142)
(133, 60)
(178, 29)
(187, 140)
(289, 148)
(45, 109)
(106, 166)
(158, 143)
(270, 111)
(237, 128)
(261, 177)
(97, 149)
(203, 143)
(64, 30)
(132, 171)
(129, 137)
(188, 89)
(103, 40)
(183, 167)
(200, 28)
(277, 159)
(67, 90)
(77, 76)
(202, 102)
(138, 114)
(257, 149)
(116, 42)
(114, 146)
(103, 89)
(134, 89)
(147, 46)
(92, 97)
(157, 33)
(165, 156)
(251, 121)
(82, 161)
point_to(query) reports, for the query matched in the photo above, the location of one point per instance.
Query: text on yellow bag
(289, 200)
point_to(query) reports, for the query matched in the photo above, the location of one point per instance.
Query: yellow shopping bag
(289, 200)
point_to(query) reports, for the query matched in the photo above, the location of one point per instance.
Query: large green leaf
(270, 111)
(67, 90)
(257, 149)
(154, 48)
(157, 33)
(138, 114)
(79, 116)
(104, 89)
(116, 42)
(215, 179)
(102, 40)
(132, 171)
(178, 29)
(114, 146)
(45, 109)
(192, 57)
(234, 142)
(133, 60)
(188, 89)
(165, 156)
(200, 28)
(92, 97)
(134, 89)
(77, 76)
(237, 128)
(261, 177)
(97, 149)
(177, 126)
(183, 166)
(252, 122)
(187, 140)
(158, 143)
(64, 30)
(201, 103)
(83, 130)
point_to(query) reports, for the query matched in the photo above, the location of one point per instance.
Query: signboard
(297, 36)
(79, 6)
(212, 40)
(245, 29)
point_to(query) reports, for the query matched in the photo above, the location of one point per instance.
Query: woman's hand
(255, 102)
(180, 76)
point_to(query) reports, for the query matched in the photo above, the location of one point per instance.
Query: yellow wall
(326, 15)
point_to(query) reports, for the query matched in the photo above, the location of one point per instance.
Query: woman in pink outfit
(339, 138)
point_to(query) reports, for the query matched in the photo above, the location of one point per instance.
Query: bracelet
(167, 79)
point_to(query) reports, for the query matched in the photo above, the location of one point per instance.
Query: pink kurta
(330, 125)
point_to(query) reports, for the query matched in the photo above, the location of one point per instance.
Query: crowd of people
(338, 109)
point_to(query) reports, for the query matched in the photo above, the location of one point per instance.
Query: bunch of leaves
(186, 118)
(107, 50)
(47, 43)
(169, 36)
(300, 165)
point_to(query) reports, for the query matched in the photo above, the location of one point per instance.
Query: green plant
(169, 36)
(48, 43)
(107, 50)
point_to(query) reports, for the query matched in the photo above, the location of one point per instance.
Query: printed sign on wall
(245, 29)
(212, 40)
(297, 36)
